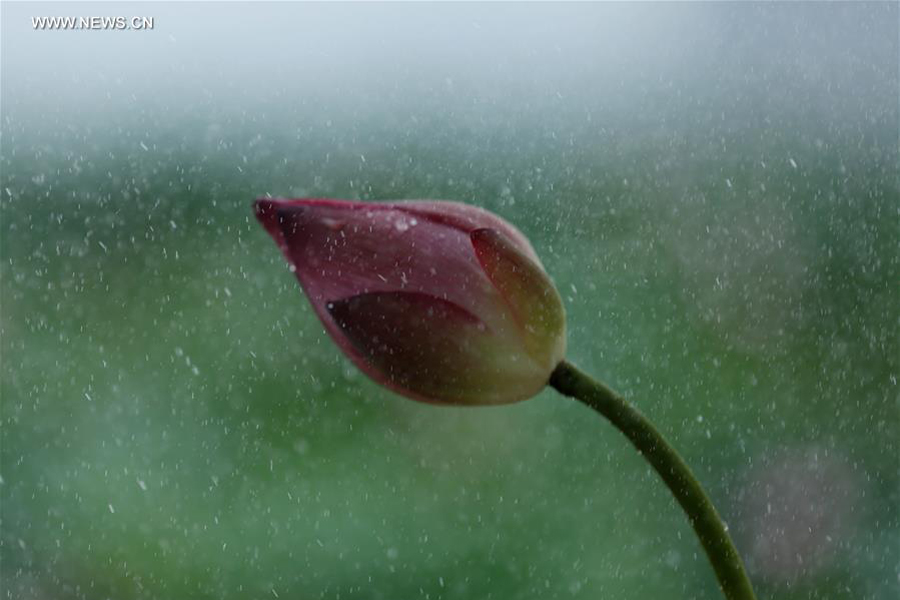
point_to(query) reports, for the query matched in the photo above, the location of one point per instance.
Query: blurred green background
(713, 187)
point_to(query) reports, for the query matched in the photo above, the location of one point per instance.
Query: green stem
(707, 523)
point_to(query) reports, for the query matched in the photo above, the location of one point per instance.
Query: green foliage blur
(176, 423)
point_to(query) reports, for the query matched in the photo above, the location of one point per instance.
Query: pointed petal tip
(274, 213)
(263, 208)
(266, 207)
(311, 202)
(267, 213)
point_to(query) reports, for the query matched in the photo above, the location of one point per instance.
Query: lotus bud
(441, 302)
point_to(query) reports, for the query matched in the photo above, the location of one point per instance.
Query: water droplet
(333, 224)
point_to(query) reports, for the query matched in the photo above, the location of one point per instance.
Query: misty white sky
(337, 50)
(481, 62)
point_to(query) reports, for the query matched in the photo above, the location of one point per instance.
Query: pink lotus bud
(439, 301)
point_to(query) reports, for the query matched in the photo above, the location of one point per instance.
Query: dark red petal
(419, 344)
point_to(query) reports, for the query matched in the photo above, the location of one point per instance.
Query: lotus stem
(708, 525)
